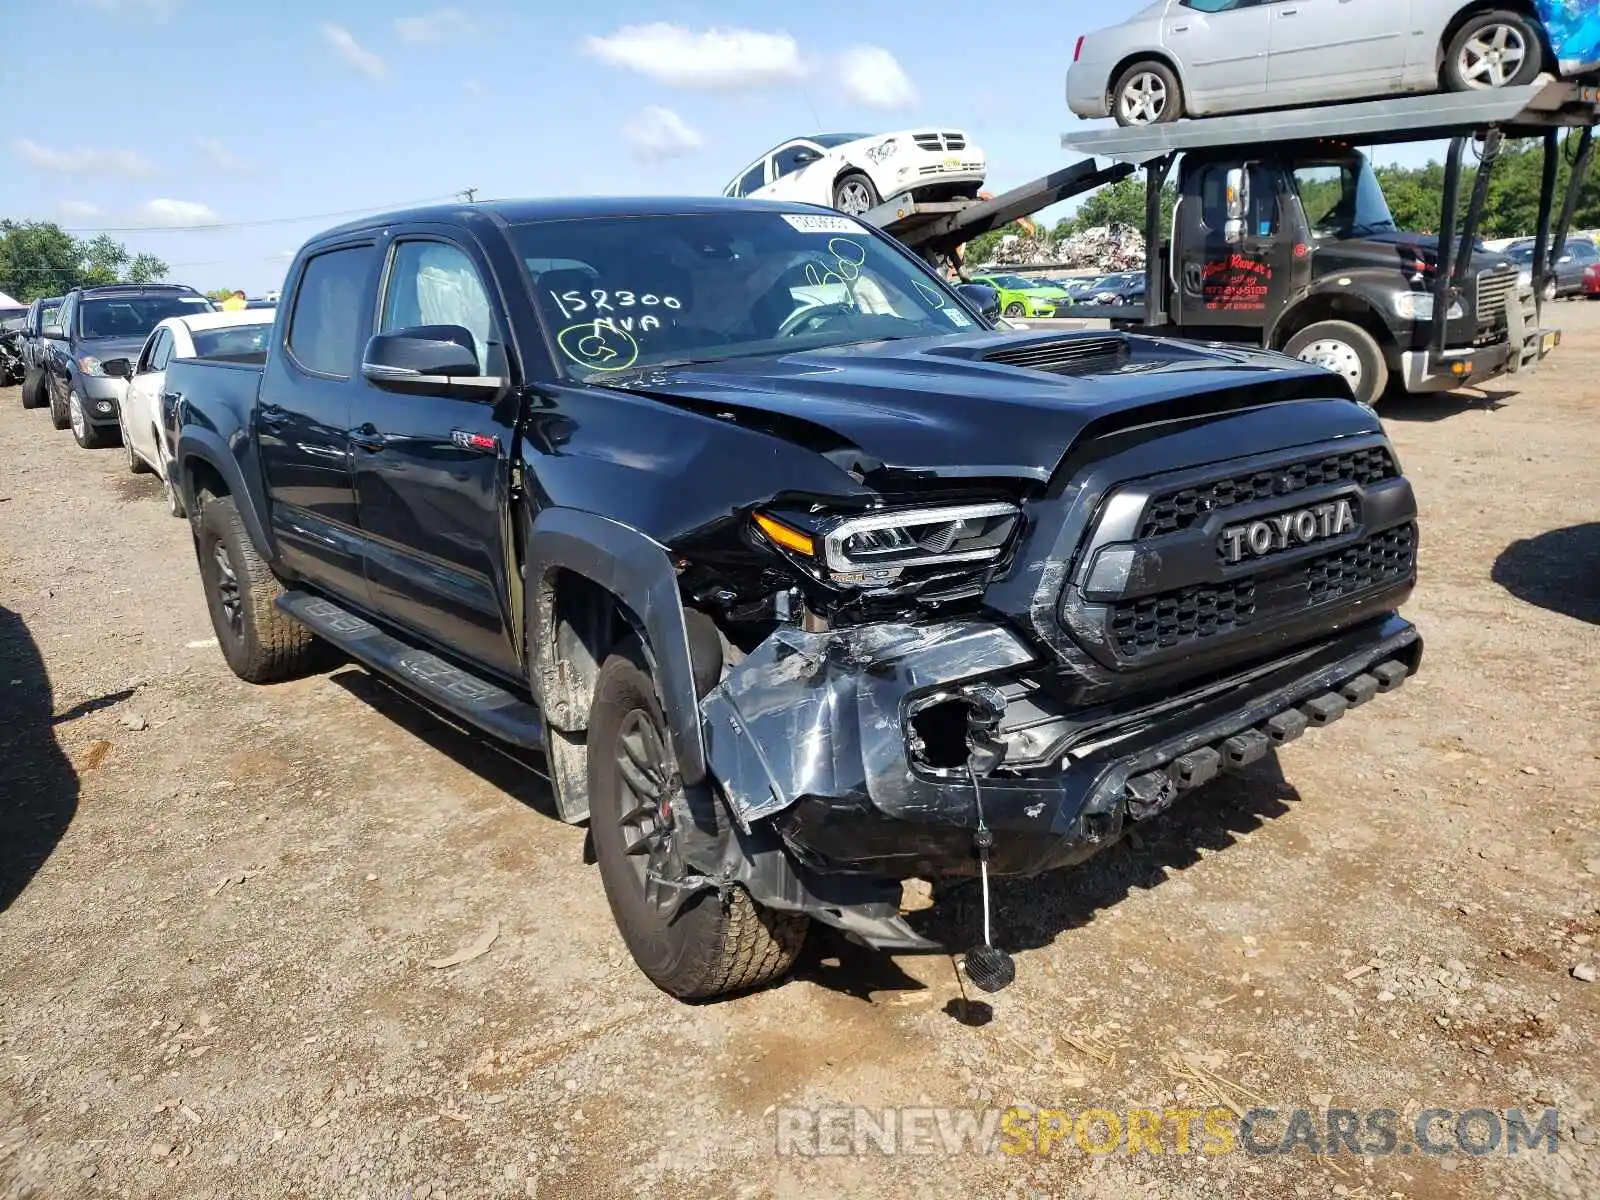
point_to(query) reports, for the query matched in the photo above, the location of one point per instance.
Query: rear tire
(58, 408)
(1348, 351)
(260, 643)
(711, 946)
(32, 388)
(1147, 93)
(1494, 49)
(174, 499)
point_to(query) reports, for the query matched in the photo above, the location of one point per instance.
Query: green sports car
(1021, 297)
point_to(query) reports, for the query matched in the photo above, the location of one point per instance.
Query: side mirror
(120, 368)
(427, 359)
(52, 331)
(982, 297)
(804, 155)
(1238, 204)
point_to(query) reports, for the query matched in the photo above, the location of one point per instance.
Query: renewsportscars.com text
(1019, 1130)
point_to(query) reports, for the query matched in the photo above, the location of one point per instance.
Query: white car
(240, 336)
(855, 172)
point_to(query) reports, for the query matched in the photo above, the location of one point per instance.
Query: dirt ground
(218, 904)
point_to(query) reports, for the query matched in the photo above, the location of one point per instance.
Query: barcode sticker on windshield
(956, 317)
(817, 223)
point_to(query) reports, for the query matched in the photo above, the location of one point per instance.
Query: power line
(348, 212)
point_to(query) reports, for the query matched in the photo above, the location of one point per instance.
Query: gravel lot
(218, 904)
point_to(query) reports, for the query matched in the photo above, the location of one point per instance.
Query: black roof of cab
(505, 213)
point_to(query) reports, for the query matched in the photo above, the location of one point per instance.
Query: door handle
(368, 438)
(1180, 29)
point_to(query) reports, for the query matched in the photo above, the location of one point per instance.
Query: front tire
(1016, 309)
(85, 434)
(1346, 350)
(1147, 93)
(853, 193)
(33, 388)
(713, 945)
(260, 643)
(1493, 49)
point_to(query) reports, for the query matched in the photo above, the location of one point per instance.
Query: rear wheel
(713, 944)
(58, 407)
(1147, 93)
(1346, 350)
(261, 644)
(854, 194)
(1494, 49)
(136, 465)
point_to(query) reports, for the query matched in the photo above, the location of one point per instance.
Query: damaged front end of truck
(1003, 686)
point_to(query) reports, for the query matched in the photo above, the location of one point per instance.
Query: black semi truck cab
(1282, 238)
(1292, 247)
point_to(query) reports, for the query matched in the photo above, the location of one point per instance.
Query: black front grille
(1153, 624)
(1175, 511)
(1190, 614)
(1383, 558)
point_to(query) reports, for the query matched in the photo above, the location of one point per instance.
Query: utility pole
(468, 194)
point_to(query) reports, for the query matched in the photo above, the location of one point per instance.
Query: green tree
(1121, 203)
(39, 258)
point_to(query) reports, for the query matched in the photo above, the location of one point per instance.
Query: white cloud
(475, 89)
(79, 208)
(714, 59)
(659, 133)
(354, 53)
(83, 159)
(219, 156)
(169, 213)
(873, 76)
(440, 26)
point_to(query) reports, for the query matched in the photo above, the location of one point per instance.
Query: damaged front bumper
(855, 750)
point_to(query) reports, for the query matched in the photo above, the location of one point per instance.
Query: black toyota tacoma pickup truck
(806, 580)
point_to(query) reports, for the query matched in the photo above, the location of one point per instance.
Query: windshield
(134, 316)
(233, 341)
(1523, 254)
(829, 140)
(1343, 199)
(624, 292)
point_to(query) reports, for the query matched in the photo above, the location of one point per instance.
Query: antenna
(468, 194)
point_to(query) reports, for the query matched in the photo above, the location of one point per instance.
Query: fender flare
(209, 448)
(638, 571)
(1324, 289)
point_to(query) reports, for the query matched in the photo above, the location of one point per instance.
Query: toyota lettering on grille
(1299, 527)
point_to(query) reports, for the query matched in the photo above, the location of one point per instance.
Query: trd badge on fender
(1300, 527)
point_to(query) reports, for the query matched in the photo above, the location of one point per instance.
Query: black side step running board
(485, 705)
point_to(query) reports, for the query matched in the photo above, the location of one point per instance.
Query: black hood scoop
(1074, 355)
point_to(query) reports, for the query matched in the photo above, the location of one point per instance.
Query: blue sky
(186, 112)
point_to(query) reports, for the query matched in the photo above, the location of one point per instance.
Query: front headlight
(875, 549)
(885, 149)
(90, 365)
(1418, 306)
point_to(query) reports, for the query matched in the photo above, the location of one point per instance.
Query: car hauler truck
(1281, 236)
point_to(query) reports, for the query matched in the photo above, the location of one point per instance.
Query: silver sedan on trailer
(1196, 58)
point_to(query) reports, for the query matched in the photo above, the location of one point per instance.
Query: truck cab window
(434, 283)
(325, 324)
(1342, 199)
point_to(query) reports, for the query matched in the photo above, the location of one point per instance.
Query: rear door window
(327, 322)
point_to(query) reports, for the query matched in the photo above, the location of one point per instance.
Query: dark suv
(95, 325)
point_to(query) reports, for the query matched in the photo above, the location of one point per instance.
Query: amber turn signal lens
(789, 539)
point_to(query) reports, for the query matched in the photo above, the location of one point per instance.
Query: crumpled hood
(944, 407)
(1407, 251)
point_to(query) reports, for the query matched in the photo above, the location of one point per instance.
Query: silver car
(1194, 58)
